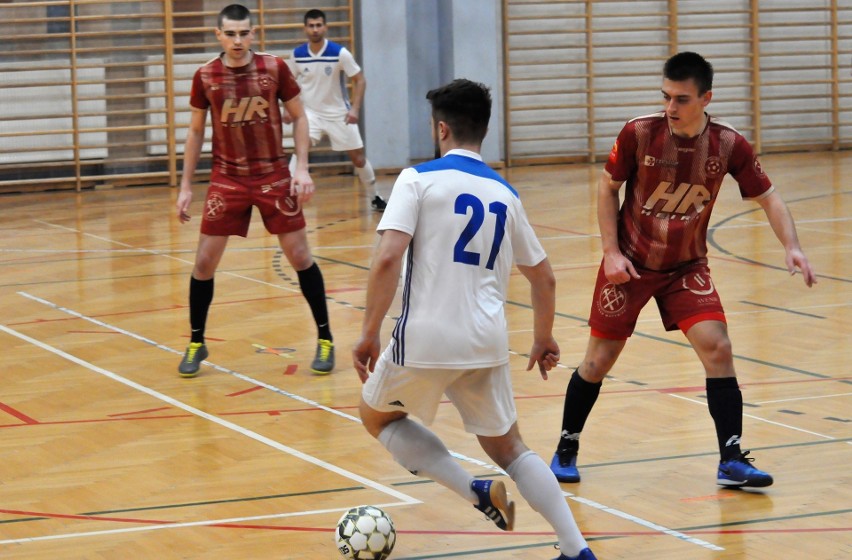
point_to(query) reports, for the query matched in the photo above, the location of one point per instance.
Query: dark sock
(725, 402)
(200, 297)
(313, 288)
(580, 397)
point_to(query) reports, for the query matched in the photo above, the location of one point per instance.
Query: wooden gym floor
(108, 454)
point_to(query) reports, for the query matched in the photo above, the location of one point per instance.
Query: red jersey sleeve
(745, 168)
(288, 88)
(621, 162)
(197, 95)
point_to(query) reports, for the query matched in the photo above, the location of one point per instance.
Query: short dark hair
(465, 106)
(234, 12)
(689, 65)
(315, 14)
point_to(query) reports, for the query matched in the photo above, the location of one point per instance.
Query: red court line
(18, 414)
(291, 369)
(422, 532)
(244, 391)
(139, 411)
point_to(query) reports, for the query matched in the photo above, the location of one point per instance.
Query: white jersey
(322, 78)
(468, 227)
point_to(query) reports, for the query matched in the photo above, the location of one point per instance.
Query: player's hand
(351, 117)
(365, 353)
(618, 269)
(545, 354)
(183, 201)
(302, 187)
(796, 260)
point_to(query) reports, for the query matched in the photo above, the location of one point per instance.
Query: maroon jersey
(243, 102)
(672, 184)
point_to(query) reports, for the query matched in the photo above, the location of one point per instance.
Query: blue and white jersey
(468, 228)
(322, 78)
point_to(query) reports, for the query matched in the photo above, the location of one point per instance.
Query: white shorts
(483, 396)
(343, 136)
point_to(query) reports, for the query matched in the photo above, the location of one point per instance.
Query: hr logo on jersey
(682, 200)
(698, 284)
(214, 208)
(244, 110)
(612, 300)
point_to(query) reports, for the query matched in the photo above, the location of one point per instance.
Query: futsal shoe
(196, 353)
(378, 203)
(564, 465)
(494, 502)
(738, 473)
(324, 360)
(585, 554)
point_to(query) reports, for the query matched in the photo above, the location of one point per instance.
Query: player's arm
(303, 185)
(381, 288)
(785, 230)
(617, 267)
(191, 155)
(359, 86)
(545, 350)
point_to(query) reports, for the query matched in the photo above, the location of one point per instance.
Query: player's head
(315, 27)
(235, 34)
(234, 12)
(687, 89)
(690, 66)
(463, 106)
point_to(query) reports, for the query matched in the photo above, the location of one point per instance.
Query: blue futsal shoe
(585, 554)
(494, 502)
(564, 465)
(738, 472)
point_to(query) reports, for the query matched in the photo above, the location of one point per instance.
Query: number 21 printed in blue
(460, 254)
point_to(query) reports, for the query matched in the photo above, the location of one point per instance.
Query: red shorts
(684, 297)
(227, 210)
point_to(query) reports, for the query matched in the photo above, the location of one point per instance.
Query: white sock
(423, 454)
(292, 165)
(540, 489)
(367, 176)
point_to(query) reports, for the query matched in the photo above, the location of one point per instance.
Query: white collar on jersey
(466, 153)
(321, 51)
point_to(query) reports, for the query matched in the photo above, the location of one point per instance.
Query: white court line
(805, 398)
(753, 417)
(215, 419)
(155, 527)
(458, 456)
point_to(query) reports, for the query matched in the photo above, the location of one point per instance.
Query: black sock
(313, 288)
(725, 402)
(200, 297)
(580, 397)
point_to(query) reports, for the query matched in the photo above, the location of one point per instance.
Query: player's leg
(612, 318)
(725, 402)
(367, 176)
(693, 305)
(201, 283)
(580, 397)
(346, 137)
(538, 486)
(388, 396)
(294, 244)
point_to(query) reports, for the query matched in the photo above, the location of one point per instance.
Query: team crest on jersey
(612, 300)
(214, 208)
(699, 284)
(264, 82)
(713, 166)
(758, 169)
(328, 70)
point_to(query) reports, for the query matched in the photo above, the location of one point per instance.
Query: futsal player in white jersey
(321, 67)
(461, 227)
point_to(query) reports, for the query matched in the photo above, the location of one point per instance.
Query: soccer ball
(365, 533)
